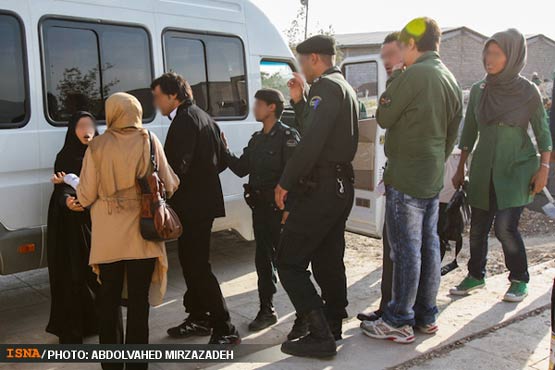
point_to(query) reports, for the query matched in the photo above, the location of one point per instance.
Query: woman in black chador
(72, 281)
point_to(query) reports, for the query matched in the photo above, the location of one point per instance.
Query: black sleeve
(300, 114)
(181, 144)
(219, 147)
(62, 191)
(240, 165)
(290, 143)
(323, 107)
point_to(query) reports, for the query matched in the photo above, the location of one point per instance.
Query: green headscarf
(508, 97)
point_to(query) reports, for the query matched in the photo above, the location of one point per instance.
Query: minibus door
(368, 209)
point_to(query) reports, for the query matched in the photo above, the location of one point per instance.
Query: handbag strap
(152, 155)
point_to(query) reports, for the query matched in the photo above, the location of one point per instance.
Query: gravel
(532, 225)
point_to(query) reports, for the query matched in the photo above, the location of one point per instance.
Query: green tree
(295, 32)
(81, 91)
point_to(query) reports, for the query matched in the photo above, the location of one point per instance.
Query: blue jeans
(412, 234)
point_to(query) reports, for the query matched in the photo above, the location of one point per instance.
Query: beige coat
(108, 184)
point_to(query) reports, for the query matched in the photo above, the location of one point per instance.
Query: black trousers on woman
(139, 275)
(505, 224)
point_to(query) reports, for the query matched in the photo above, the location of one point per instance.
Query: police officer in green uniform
(264, 160)
(321, 171)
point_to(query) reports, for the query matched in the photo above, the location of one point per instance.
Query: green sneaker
(517, 292)
(467, 285)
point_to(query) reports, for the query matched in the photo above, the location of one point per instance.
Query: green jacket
(421, 109)
(506, 152)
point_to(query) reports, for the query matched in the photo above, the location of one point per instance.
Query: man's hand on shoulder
(280, 196)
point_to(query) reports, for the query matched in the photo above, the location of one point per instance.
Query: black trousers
(315, 234)
(267, 230)
(387, 272)
(139, 275)
(203, 299)
(505, 224)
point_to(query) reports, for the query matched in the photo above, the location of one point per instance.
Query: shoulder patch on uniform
(482, 86)
(291, 143)
(315, 102)
(385, 101)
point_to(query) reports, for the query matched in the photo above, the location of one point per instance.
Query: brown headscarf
(508, 97)
(124, 145)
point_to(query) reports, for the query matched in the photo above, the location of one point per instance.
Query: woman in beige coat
(108, 185)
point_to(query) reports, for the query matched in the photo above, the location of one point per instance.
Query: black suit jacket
(196, 154)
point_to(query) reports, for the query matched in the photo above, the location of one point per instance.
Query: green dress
(504, 154)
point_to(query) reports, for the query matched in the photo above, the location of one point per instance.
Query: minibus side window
(363, 77)
(85, 63)
(275, 74)
(186, 57)
(72, 73)
(214, 65)
(126, 60)
(13, 90)
(227, 83)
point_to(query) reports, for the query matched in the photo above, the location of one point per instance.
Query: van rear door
(367, 76)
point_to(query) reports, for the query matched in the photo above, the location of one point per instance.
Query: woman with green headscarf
(506, 171)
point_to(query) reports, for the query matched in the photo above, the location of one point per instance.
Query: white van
(58, 56)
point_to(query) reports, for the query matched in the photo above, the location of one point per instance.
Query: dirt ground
(532, 224)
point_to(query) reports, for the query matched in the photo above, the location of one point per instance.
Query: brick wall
(461, 51)
(541, 58)
(462, 54)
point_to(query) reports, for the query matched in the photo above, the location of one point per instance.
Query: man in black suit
(196, 153)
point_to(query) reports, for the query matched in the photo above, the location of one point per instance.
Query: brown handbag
(159, 222)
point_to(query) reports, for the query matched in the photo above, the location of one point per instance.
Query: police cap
(319, 44)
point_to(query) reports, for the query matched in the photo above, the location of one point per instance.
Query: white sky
(485, 16)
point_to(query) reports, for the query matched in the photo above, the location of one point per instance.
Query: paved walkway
(459, 319)
(521, 345)
(24, 309)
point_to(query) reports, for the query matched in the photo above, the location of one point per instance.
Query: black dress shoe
(319, 343)
(189, 328)
(299, 329)
(373, 316)
(226, 338)
(266, 317)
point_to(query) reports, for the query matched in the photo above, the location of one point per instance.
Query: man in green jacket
(421, 110)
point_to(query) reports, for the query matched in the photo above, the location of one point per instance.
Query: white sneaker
(379, 329)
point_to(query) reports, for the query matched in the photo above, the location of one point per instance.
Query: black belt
(334, 170)
(259, 197)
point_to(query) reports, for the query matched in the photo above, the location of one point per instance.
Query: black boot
(335, 326)
(318, 343)
(266, 316)
(300, 328)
